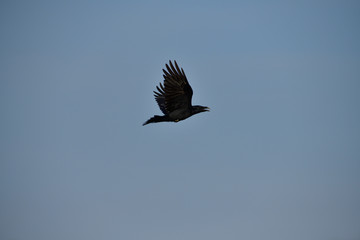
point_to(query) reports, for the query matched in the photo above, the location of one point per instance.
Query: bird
(174, 97)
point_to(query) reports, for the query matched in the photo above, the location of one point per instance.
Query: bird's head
(198, 109)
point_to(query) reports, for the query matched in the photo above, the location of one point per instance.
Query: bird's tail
(156, 119)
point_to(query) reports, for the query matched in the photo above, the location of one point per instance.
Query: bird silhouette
(174, 97)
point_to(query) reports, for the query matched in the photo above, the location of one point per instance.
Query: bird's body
(174, 97)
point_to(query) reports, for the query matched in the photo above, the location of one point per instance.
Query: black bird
(174, 97)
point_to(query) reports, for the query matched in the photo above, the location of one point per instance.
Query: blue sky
(278, 156)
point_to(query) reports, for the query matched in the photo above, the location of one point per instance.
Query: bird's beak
(207, 109)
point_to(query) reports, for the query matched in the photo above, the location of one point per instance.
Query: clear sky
(277, 158)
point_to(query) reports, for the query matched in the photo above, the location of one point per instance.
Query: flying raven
(174, 97)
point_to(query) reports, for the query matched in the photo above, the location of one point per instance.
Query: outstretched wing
(160, 99)
(176, 93)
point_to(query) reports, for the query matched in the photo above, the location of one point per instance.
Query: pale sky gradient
(277, 158)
